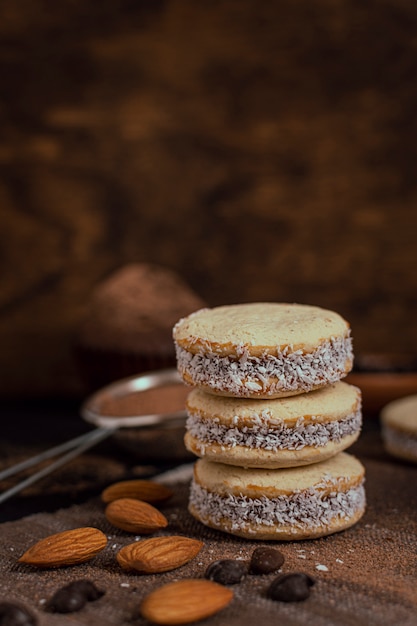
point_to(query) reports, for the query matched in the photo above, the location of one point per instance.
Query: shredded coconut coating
(288, 372)
(307, 509)
(280, 437)
(397, 440)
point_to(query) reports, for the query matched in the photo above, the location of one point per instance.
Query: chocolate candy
(265, 560)
(291, 587)
(226, 571)
(73, 597)
(15, 615)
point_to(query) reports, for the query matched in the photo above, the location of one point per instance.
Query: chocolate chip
(226, 571)
(73, 597)
(265, 560)
(15, 615)
(291, 587)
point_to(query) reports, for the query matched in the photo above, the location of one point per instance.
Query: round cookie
(287, 504)
(262, 350)
(399, 428)
(274, 433)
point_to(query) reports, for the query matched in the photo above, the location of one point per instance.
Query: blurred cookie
(274, 433)
(263, 350)
(399, 428)
(284, 504)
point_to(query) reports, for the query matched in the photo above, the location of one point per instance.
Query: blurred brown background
(263, 150)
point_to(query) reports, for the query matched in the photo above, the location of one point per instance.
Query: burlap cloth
(371, 575)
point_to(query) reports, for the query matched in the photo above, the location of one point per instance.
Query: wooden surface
(265, 151)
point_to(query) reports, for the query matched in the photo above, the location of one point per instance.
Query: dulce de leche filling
(318, 506)
(278, 437)
(289, 371)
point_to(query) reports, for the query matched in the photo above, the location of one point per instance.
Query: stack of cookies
(270, 419)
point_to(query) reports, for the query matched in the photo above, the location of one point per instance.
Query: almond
(159, 554)
(185, 601)
(66, 548)
(146, 490)
(135, 516)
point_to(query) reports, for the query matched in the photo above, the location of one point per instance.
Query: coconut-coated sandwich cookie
(399, 428)
(262, 350)
(274, 433)
(285, 504)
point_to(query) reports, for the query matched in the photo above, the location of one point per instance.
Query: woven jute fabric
(365, 575)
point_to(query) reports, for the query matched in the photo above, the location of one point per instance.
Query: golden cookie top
(342, 471)
(333, 402)
(260, 328)
(401, 414)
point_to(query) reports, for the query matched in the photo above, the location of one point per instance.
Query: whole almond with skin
(159, 554)
(135, 516)
(185, 601)
(146, 490)
(66, 548)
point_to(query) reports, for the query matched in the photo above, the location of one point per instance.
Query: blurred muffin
(127, 328)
